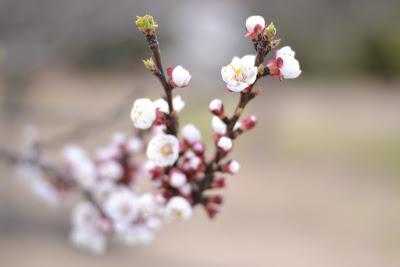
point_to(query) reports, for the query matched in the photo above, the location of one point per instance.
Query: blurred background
(320, 178)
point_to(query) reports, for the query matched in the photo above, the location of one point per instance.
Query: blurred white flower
(118, 139)
(85, 233)
(73, 154)
(255, 23)
(225, 143)
(123, 208)
(148, 205)
(137, 235)
(180, 76)
(103, 190)
(163, 150)
(191, 134)
(240, 73)
(134, 145)
(46, 192)
(218, 125)
(85, 215)
(143, 113)
(178, 208)
(110, 169)
(284, 66)
(85, 174)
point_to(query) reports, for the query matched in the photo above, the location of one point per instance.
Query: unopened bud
(261, 69)
(275, 43)
(149, 64)
(225, 144)
(270, 31)
(216, 107)
(146, 24)
(249, 122)
(232, 167)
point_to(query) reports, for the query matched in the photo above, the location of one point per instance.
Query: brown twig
(172, 119)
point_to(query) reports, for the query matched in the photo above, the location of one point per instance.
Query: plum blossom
(284, 66)
(240, 73)
(254, 24)
(46, 192)
(177, 208)
(163, 150)
(180, 77)
(85, 232)
(123, 208)
(143, 113)
(110, 169)
(191, 134)
(103, 190)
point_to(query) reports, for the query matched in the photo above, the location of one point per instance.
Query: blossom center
(125, 209)
(166, 150)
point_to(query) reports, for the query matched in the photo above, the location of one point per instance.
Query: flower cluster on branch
(181, 174)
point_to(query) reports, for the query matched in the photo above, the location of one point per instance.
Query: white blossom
(90, 239)
(85, 232)
(143, 113)
(253, 21)
(118, 139)
(85, 174)
(178, 208)
(123, 208)
(240, 73)
(46, 192)
(73, 154)
(134, 145)
(137, 235)
(110, 169)
(225, 143)
(163, 150)
(285, 64)
(218, 125)
(191, 133)
(180, 76)
(103, 190)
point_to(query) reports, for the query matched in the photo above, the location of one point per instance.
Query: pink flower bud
(254, 24)
(249, 122)
(217, 199)
(198, 148)
(216, 107)
(212, 211)
(180, 76)
(232, 167)
(177, 178)
(219, 182)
